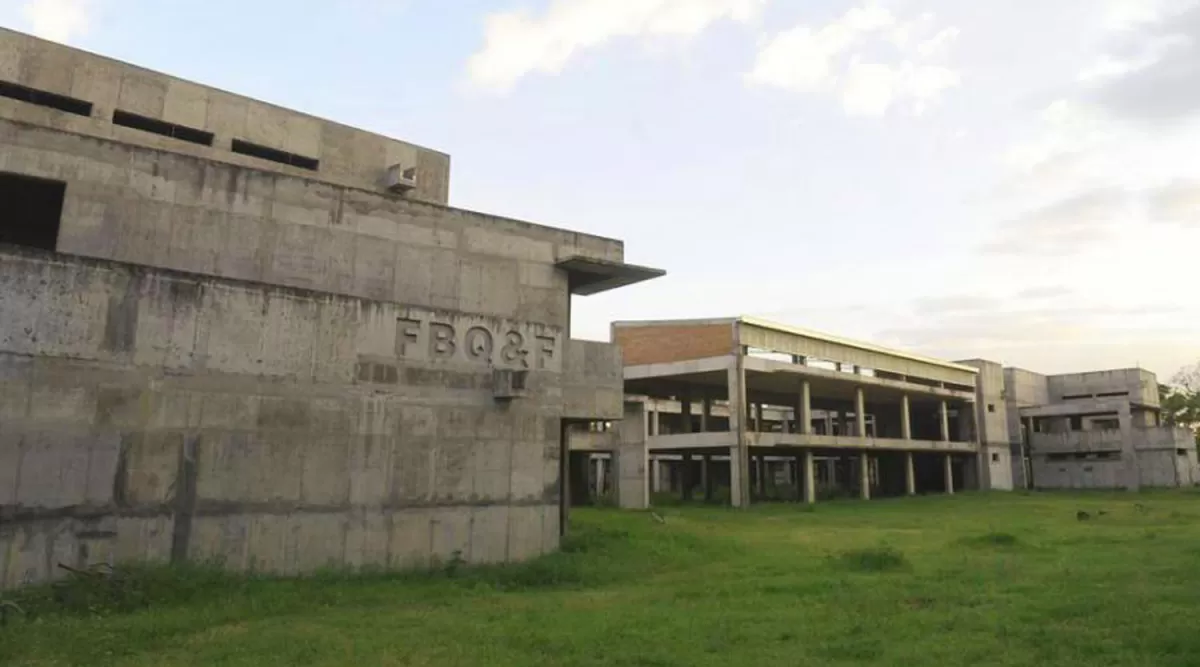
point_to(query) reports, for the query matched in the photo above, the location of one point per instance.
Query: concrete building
(766, 410)
(233, 331)
(739, 410)
(1094, 430)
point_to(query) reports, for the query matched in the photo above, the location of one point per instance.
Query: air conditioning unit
(400, 179)
(509, 384)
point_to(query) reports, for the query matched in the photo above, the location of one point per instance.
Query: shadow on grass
(992, 540)
(879, 559)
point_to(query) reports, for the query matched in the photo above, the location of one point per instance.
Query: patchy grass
(1003, 579)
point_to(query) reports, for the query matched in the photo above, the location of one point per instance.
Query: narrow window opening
(30, 210)
(181, 132)
(991, 407)
(1112, 394)
(995, 458)
(44, 98)
(282, 157)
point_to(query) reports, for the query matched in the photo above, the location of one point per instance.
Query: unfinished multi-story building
(1099, 429)
(233, 331)
(764, 410)
(742, 409)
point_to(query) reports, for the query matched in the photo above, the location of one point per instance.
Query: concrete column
(654, 423)
(1132, 472)
(685, 409)
(739, 462)
(685, 477)
(739, 483)
(758, 417)
(905, 418)
(910, 475)
(805, 415)
(705, 413)
(841, 423)
(828, 423)
(599, 477)
(945, 415)
(864, 475)
(860, 413)
(809, 477)
(949, 469)
(655, 472)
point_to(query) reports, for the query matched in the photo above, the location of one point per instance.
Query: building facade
(1099, 429)
(759, 410)
(740, 410)
(232, 331)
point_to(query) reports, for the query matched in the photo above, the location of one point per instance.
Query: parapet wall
(342, 154)
(154, 415)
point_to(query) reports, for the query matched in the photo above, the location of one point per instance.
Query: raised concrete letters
(477, 340)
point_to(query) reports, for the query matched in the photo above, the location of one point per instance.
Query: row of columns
(803, 410)
(807, 475)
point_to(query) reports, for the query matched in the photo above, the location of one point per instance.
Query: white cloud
(59, 20)
(517, 43)
(830, 60)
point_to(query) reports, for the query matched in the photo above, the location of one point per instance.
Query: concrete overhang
(589, 275)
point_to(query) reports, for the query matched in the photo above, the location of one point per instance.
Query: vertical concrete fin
(185, 499)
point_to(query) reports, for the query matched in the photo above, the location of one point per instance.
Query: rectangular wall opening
(30, 210)
(181, 132)
(42, 98)
(274, 155)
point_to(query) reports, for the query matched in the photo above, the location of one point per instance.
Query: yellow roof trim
(869, 347)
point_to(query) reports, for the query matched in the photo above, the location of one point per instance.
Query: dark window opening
(30, 210)
(995, 458)
(43, 98)
(1058, 457)
(1108, 456)
(282, 157)
(1181, 452)
(1113, 394)
(991, 407)
(181, 132)
(1076, 422)
(1075, 397)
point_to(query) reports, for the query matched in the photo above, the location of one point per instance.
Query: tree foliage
(1181, 400)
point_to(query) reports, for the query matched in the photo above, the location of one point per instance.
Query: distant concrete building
(763, 411)
(1100, 429)
(233, 331)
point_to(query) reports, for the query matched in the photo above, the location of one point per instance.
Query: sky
(1017, 180)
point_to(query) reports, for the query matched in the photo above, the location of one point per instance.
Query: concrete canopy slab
(589, 275)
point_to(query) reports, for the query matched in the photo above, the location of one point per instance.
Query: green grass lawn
(999, 579)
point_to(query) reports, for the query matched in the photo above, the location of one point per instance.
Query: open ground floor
(775, 475)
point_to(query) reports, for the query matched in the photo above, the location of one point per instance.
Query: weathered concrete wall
(147, 414)
(1162, 457)
(631, 465)
(169, 210)
(995, 454)
(593, 381)
(1135, 384)
(347, 155)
